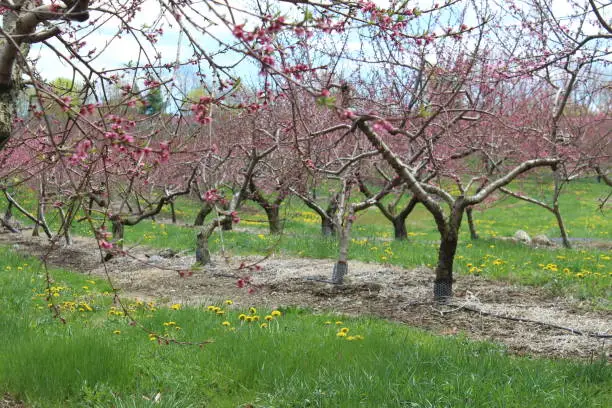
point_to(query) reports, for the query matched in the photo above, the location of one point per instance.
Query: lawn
(94, 357)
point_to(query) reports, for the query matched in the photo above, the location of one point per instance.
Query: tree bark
(274, 220)
(7, 219)
(399, 228)
(443, 285)
(202, 214)
(227, 224)
(65, 226)
(202, 251)
(341, 266)
(562, 230)
(470, 219)
(328, 228)
(172, 211)
(118, 231)
(449, 237)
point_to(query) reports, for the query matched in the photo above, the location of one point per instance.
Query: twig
(524, 320)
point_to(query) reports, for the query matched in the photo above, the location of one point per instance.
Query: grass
(97, 359)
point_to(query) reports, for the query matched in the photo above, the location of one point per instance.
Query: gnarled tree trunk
(470, 219)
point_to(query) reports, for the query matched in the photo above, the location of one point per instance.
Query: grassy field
(284, 358)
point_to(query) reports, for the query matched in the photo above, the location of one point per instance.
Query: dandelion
(176, 306)
(469, 246)
(167, 324)
(229, 302)
(116, 331)
(252, 310)
(268, 318)
(350, 338)
(327, 322)
(344, 330)
(248, 319)
(341, 334)
(338, 323)
(226, 323)
(579, 275)
(242, 316)
(261, 236)
(263, 325)
(276, 313)
(152, 337)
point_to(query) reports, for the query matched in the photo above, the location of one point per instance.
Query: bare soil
(523, 318)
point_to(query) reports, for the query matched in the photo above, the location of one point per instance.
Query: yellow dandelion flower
(276, 313)
(344, 330)
(242, 316)
(220, 312)
(327, 322)
(255, 318)
(350, 338)
(263, 325)
(341, 334)
(169, 324)
(248, 319)
(211, 308)
(268, 318)
(252, 310)
(176, 306)
(116, 331)
(229, 302)
(359, 337)
(339, 323)
(226, 323)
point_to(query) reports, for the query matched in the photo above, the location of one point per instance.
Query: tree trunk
(328, 228)
(449, 237)
(7, 219)
(341, 266)
(117, 231)
(173, 212)
(562, 230)
(399, 228)
(202, 214)
(202, 251)
(443, 285)
(470, 219)
(274, 220)
(227, 224)
(65, 226)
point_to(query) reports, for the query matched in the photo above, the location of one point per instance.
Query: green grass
(97, 359)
